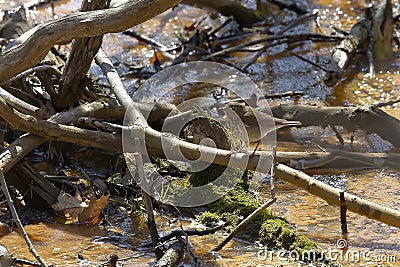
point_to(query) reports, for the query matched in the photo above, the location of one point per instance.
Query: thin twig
(286, 94)
(24, 262)
(279, 40)
(384, 104)
(30, 71)
(272, 181)
(233, 37)
(18, 221)
(151, 222)
(369, 159)
(340, 31)
(126, 101)
(311, 63)
(292, 5)
(147, 40)
(256, 56)
(226, 22)
(245, 222)
(188, 232)
(337, 134)
(299, 20)
(343, 211)
(21, 105)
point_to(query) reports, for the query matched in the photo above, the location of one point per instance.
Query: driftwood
(187, 232)
(189, 150)
(23, 56)
(224, 157)
(276, 40)
(308, 115)
(106, 65)
(33, 185)
(26, 143)
(345, 50)
(151, 221)
(20, 105)
(33, 45)
(173, 256)
(82, 54)
(376, 160)
(375, 27)
(332, 196)
(369, 119)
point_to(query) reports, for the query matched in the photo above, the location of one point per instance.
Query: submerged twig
(18, 221)
(312, 63)
(343, 211)
(285, 94)
(337, 134)
(279, 39)
(292, 5)
(151, 222)
(21, 105)
(301, 19)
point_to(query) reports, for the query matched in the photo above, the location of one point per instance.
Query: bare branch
(32, 46)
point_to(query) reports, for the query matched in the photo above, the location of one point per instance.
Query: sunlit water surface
(275, 72)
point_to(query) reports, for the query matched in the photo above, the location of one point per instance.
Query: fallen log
(332, 196)
(254, 162)
(173, 256)
(33, 45)
(49, 129)
(376, 27)
(223, 157)
(367, 118)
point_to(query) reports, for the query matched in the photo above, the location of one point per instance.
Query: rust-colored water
(275, 72)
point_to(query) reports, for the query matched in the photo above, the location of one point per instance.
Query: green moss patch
(206, 176)
(209, 218)
(270, 230)
(281, 234)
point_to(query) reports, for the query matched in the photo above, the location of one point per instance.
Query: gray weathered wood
(33, 46)
(74, 78)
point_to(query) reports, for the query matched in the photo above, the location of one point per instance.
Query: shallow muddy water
(275, 72)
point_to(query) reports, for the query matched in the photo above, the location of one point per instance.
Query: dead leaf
(70, 206)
